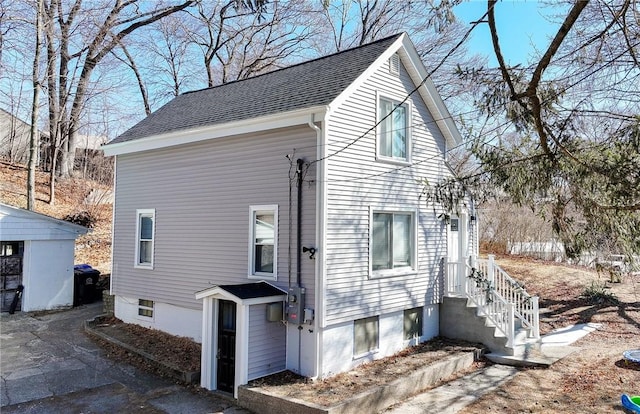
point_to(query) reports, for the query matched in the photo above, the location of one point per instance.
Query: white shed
(36, 251)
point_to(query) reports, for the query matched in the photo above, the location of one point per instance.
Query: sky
(522, 27)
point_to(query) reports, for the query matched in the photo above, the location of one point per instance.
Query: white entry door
(454, 239)
(457, 246)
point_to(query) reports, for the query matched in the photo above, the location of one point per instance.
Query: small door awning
(245, 293)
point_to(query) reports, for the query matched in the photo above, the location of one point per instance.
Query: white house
(36, 251)
(301, 186)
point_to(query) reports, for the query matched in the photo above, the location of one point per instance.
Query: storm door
(226, 345)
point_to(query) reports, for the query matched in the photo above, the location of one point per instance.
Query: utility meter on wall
(295, 305)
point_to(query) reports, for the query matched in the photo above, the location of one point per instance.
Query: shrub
(598, 294)
(83, 218)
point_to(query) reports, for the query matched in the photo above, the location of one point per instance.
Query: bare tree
(93, 31)
(33, 133)
(238, 42)
(131, 63)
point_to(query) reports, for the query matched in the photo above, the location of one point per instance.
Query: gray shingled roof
(253, 290)
(305, 85)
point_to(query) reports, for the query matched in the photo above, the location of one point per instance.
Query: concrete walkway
(48, 365)
(569, 334)
(456, 395)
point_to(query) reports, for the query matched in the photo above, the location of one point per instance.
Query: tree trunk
(33, 133)
(52, 176)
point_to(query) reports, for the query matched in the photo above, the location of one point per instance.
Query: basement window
(145, 308)
(413, 323)
(365, 336)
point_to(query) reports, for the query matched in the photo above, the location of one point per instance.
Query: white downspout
(320, 242)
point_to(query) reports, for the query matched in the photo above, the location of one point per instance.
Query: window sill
(142, 266)
(366, 354)
(381, 274)
(263, 276)
(394, 161)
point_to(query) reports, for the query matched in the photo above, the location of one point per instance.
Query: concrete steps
(459, 319)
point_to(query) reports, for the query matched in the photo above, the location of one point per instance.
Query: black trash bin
(85, 279)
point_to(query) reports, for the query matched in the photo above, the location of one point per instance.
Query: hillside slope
(93, 248)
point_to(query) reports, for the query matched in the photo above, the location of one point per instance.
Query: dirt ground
(367, 376)
(588, 381)
(592, 379)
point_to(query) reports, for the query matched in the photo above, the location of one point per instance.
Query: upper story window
(263, 242)
(394, 139)
(145, 235)
(393, 243)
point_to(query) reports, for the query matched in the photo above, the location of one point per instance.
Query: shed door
(11, 254)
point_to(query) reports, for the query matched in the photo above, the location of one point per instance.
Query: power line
(417, 124)
(400, 168)
(422, 82)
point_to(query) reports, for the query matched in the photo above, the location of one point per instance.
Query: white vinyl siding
(202, 193)
(356, 183)
(263, 242)
(267, 349)
(145, 225)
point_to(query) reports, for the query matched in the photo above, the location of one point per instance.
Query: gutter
(207, 132)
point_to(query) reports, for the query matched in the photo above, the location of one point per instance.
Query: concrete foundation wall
(337, 340)
(459, 321)
(168, 318)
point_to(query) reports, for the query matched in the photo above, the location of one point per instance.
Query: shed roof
(244, 291)
(20, 224)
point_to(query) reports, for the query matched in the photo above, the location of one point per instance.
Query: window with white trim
(145, 308)
(145, 235)
(394, 131)
(365, 335)
(263, 242)
(393, 242)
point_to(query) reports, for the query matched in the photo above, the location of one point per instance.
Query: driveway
(48, 365)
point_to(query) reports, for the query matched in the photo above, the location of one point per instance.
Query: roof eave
(432, 98)
(63, 225)
(186, 136)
